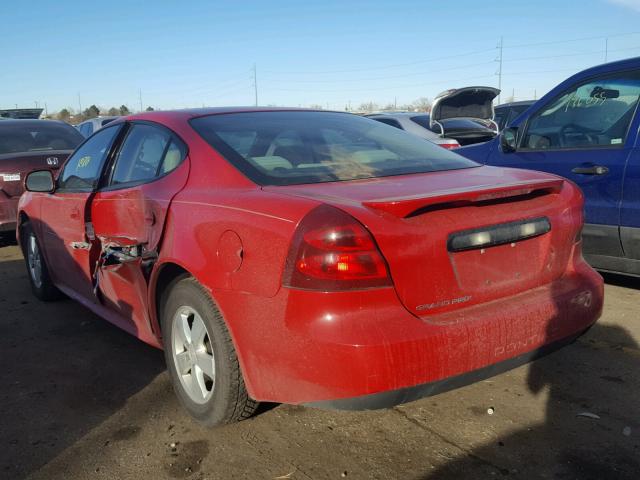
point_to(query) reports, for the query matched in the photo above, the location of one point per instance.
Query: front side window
(83, 169)
(290, 148)
(146, 153)
(593, 114)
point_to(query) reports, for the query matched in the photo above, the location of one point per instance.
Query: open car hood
(468, 102)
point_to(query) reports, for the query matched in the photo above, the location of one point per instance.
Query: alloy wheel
(193, 354)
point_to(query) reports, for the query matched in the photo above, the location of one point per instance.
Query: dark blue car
(586, 129)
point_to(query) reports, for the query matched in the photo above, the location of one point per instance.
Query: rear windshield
(37, 135)
(288, 148)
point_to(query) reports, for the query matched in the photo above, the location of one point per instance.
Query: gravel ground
(81, 399)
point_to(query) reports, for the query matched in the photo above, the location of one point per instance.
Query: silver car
(88, 127)
(415, 123)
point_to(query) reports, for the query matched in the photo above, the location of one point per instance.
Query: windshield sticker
(84, 162)
(616, 141)
(11, 177)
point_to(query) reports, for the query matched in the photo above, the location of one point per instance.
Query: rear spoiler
(404, 206)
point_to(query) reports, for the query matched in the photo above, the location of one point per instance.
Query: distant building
(21, 113)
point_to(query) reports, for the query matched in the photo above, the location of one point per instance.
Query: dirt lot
(81, 399)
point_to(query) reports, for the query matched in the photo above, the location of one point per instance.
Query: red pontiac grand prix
(308, 257)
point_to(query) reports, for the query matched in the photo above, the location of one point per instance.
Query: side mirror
(40, 181)
(509, 140)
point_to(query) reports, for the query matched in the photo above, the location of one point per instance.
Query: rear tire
(201, 358)
(37, 270)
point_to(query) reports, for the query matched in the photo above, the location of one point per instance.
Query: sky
(178, 54)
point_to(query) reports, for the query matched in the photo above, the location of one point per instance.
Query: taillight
(450, 144)
(331, 251)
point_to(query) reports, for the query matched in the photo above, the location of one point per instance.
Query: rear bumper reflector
(498, 234)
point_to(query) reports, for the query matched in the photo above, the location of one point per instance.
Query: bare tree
(422, 104)
(64, 115)
(368, 107)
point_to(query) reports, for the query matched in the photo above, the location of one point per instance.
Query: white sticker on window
(616, 141)
(11, 177)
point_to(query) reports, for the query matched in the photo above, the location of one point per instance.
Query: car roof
(189, 113)
(515, 104)
(396, 114)
(30, 121)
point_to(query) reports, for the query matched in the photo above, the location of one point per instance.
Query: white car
(88, 127)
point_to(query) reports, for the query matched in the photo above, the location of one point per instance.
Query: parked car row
(458, 117)
(332, 260)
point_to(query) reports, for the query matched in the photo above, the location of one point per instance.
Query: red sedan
(309, 257)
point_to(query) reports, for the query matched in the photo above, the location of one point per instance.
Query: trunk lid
(416, 221)
(468, 102)
(14, 167)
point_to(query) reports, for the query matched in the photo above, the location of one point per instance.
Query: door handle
(593, 170)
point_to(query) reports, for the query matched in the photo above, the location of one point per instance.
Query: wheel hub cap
(193, 354)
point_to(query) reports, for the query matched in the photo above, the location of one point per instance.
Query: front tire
(37, 270)
(201, 358)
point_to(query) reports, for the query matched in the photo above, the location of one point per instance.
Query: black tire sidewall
(187, 293)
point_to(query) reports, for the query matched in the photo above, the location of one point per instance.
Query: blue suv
(586, 130)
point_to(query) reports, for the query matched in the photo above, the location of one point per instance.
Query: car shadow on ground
(592, 415)
(64, 371)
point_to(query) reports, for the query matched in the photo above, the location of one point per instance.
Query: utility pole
(79, 104)
(606, 48)
(499, 72)
(395, 103)
(36, 102)
(255, 82)
(140, 97)
(46, 111)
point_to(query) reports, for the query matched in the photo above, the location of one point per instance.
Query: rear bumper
(8, 213)
(409, 394)
(365, 350)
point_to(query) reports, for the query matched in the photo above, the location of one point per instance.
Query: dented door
(129, 214)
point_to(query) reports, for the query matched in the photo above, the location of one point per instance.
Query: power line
(392, 87)
(564, 55)
(386, 77)
(382, 67)
(555, 42)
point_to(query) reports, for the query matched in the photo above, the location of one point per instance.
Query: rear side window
(593, 114)
(83, 169)
(18, 136)
(146, 153)
(422, 120)
(286, 148)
